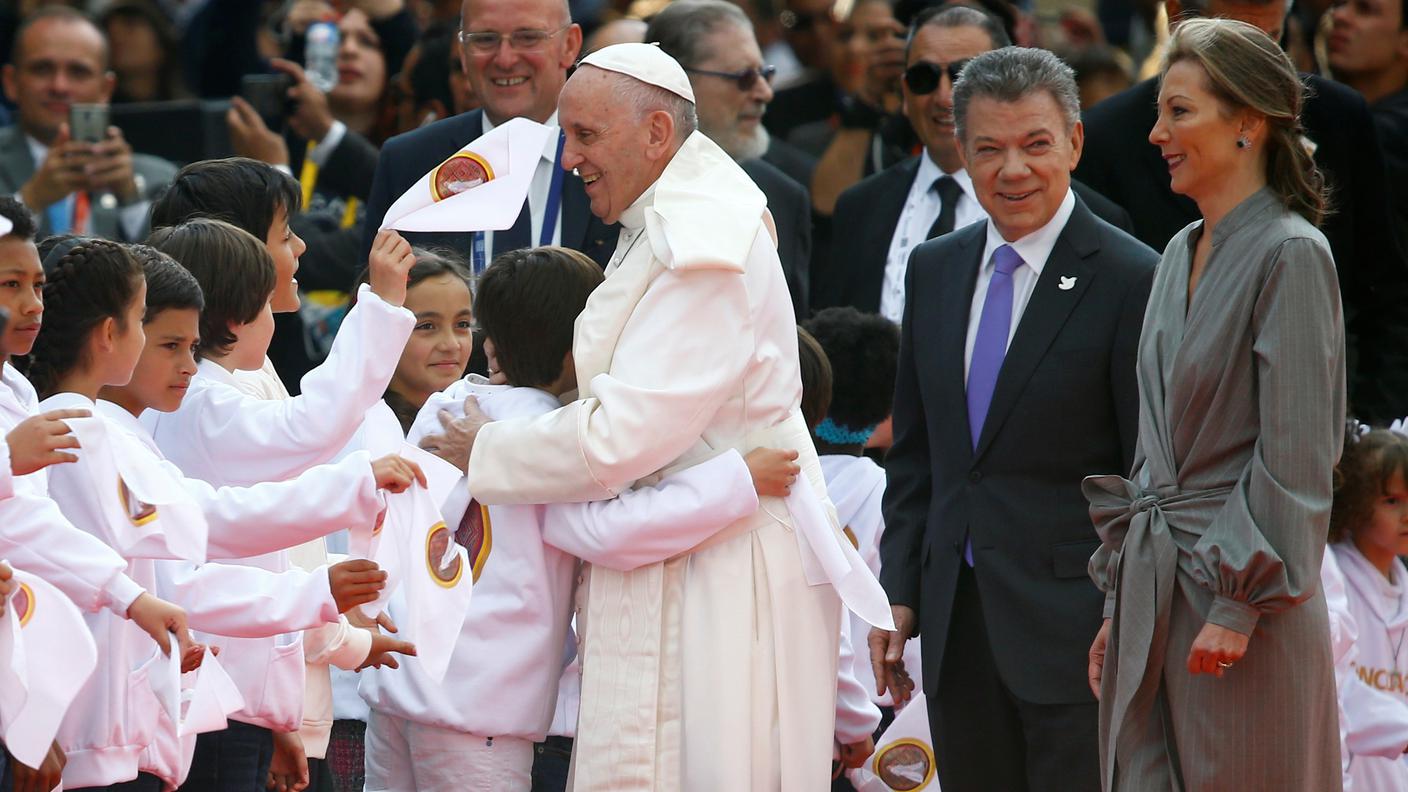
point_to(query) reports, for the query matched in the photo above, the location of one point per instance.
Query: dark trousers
(235, 759)
(985, 738)
(552, 759)
(144, 782)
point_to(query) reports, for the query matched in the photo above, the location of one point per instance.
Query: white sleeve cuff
(322, 152)
(121, 593)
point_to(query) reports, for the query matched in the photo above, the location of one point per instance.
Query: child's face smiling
(439, 347)
(167, 363)
(21, 294)
(1385, 535)
(285, 247)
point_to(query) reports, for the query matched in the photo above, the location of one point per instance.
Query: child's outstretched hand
(384, 651)
(35, 441)
(773, 470)
(355, 582)
(395, 474)
(389, 266)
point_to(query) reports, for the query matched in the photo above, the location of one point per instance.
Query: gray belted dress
(1242, 407)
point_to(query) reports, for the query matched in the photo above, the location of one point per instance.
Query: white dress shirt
(133, 217)
(1034, 248)
(921, 209)
(537, 191)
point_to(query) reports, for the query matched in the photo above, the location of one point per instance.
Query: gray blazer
(17, 166)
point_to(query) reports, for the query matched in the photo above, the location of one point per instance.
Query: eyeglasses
(923, 77)
(487, 41)
(745, 79)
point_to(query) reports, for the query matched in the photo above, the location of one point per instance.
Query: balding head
(60, 58)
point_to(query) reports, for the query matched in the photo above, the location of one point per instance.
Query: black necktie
(949, 191)
(520, 235)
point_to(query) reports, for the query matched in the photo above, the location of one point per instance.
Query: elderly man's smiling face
(617, 152)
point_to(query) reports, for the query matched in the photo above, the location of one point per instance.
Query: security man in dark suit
(1016, 380)
(1129, 170)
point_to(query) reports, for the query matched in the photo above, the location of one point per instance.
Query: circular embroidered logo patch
(460, 172)
(23, 604)
(437, 541)
(905, 765)
(138, 513)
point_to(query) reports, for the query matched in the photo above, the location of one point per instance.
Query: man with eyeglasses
(713, 40)
(516, 54)
(880, 220)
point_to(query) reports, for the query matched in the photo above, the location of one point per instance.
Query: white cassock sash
(904, 755)
(145, 510)
(46, 654)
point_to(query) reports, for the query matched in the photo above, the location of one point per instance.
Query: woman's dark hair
(234, 270)
(863, 350)
(93, 281)
(816, 378)
(19, 216)
(243, 192)
(527, 303)
(1362, 476)
(169, 285)
(172, 83)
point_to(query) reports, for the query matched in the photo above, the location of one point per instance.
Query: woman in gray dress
(1213, 665)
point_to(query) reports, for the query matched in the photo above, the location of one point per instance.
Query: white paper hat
(645, 62)
(481, 187)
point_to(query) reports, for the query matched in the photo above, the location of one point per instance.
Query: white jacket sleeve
(253, 440)
(240, 601)
(670, 373)
(857, 717)
(251, 521)
(35, 536)
(650, 524)
(338, 644)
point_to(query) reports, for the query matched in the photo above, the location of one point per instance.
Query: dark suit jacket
(865, 220)
(1120, 162)
(791, 211)
(407, 157)
(1065, 406)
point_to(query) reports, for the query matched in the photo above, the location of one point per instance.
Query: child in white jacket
(1368, 534)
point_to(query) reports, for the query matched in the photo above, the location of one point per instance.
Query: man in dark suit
(516, 54)
(882, 218)
(1016, 380)
(713, 40)
(1129, 170)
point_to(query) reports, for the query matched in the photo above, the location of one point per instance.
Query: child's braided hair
(96, 279)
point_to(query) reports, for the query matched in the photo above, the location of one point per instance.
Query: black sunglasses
(745, 79)
(923, 77)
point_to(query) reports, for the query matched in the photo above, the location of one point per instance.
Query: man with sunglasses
(713, 40)
(884, 217)
(515, 54)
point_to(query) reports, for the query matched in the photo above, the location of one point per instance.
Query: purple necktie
(989, 348)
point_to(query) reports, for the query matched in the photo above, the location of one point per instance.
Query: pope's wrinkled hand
(457, 441)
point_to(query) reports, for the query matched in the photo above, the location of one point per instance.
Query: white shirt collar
(1034, 248)
(930, 171)
(549, 148)
(216, 372)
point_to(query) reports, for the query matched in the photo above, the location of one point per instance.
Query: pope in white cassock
(715, 670)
